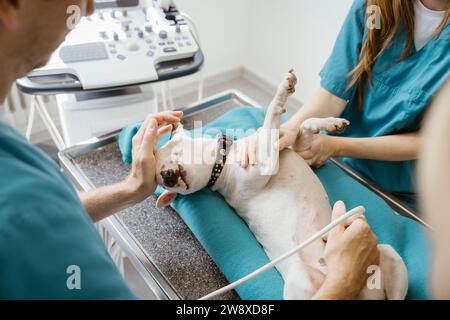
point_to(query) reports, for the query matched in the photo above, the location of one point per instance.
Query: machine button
(121, 57)
(113, 14)
(125, 13)
(141, 34)
(148, 41)
(150, 53)
(116, 36)
(181, 44)
(188, 43)
(177, 38)
(100, 15)
(170, 42)
(153, 47)
(104, 35)
(112, 45)
(178, 28)
(163, 34)
(149, 28)
(133, 47)
(162, 43)
(170, 49)
(185, 37)
(126, 27)
(113, 51)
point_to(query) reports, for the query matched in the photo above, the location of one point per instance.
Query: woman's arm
(322, 104)
(401, 147)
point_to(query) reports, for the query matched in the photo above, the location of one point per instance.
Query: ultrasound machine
(102, 74)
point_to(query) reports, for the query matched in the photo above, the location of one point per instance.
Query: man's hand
(351, 248)
(142, 180)
(103, 202)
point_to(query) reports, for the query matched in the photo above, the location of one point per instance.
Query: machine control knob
(178, 28)
(116, 36)
(163, 34)
(133, 47)
(125, 13)
(140, 34)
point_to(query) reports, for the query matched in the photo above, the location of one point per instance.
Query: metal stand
(38, 105)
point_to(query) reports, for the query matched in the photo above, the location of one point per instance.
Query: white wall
(268, 36)
(223, 29)
(293, 33)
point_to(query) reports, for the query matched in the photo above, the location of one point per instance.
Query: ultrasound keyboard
(124, 43)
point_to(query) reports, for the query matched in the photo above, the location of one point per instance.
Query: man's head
(30, 30)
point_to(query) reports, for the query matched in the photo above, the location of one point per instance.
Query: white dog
(280, 198)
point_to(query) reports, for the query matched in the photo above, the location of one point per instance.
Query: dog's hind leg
(298, 284)
(269, 134)
(278, 105)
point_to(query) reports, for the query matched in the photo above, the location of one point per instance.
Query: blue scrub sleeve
(345, 54)
(41, 244)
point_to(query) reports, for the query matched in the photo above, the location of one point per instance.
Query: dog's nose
(170, 177)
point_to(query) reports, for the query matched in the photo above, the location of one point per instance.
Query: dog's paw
(289, 82)
(334, 125)
(287, 86)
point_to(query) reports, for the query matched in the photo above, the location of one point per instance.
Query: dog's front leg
(314, 126)
(268, 155)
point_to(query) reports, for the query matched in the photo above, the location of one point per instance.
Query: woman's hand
(142, 180)
(323, 148)
(247, 147)
(351, 248)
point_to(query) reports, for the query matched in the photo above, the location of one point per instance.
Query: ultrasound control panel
(124, 43)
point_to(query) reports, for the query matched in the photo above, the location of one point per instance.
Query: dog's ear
(165, 199)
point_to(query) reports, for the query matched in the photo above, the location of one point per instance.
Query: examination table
(201, 245)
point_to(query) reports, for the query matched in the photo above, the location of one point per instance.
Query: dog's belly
(291, 207)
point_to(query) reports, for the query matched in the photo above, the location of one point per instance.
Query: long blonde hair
(394, 15)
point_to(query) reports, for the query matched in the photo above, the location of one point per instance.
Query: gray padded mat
(161, 232)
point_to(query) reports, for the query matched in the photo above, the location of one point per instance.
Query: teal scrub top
(396, 100)
(49, 247)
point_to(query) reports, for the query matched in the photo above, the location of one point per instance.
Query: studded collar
(224, 143)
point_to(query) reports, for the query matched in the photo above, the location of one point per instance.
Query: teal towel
(234, 248)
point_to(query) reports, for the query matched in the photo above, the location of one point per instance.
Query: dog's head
(183, 165)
